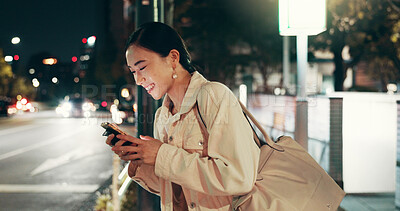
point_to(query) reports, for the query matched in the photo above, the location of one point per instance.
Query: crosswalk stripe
(47, 188)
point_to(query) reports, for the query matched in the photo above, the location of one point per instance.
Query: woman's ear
(174, 56)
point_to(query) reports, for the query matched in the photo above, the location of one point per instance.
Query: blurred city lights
(30, 107)
(8, 58)
(24, 101)
(125, 92)
(84, 57)
(54, 80)
(134, 107)
(392, 88)
(91, 40)
(16, 57)
(145, 2)
(50, 61)
(104, 104)
(12, 110)
(64, 109)
(277, 91)
(76, 79)
(84, 40)
(116, 114)
(18, 105)
(74, 59)
(22, 104)
(35, 82)
(15, 40)
(31, 71)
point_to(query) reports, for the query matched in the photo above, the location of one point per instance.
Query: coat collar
(196, 81)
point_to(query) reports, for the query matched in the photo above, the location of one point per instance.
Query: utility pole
(147, 11)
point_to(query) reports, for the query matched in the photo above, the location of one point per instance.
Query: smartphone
(112, 128)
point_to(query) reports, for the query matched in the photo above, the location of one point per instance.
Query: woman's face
(150, 70)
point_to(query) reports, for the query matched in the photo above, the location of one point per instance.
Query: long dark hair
(161, 38)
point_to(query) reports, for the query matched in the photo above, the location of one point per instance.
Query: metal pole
(301, 44)
(286, 62)
(301, 122)
(147, 11)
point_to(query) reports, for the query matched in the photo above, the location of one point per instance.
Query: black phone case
(110, 129)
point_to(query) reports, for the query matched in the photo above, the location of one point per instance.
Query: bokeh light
(15, 40)
(91, 40)
(8, 58)
(74, 59)
(54, 80)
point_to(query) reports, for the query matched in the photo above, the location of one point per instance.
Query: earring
(174, 76)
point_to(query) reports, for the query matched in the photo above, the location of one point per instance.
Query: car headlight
(67, 106)
(86, 107)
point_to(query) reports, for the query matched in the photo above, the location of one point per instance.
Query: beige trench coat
(211, 172)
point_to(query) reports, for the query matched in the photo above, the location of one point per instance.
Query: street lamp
(302, 18)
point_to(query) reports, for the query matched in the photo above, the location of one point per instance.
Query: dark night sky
(55, 26)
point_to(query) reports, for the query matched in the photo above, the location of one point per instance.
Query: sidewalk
(351, 202)
(369, 202)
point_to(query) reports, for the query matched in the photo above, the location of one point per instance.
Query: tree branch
(394, 6)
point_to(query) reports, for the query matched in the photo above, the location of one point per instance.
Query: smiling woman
(156, 55)
(187, 168)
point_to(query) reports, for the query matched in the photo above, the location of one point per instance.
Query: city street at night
(323, 74)
(51, 163)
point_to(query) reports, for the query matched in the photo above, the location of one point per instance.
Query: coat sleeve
(144, 174)
(231, 165)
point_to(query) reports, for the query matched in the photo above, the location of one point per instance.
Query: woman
(202, 154)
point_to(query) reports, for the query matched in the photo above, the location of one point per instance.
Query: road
(51, 163)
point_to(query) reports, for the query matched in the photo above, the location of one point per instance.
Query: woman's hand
(143, 150)
(108, 141)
